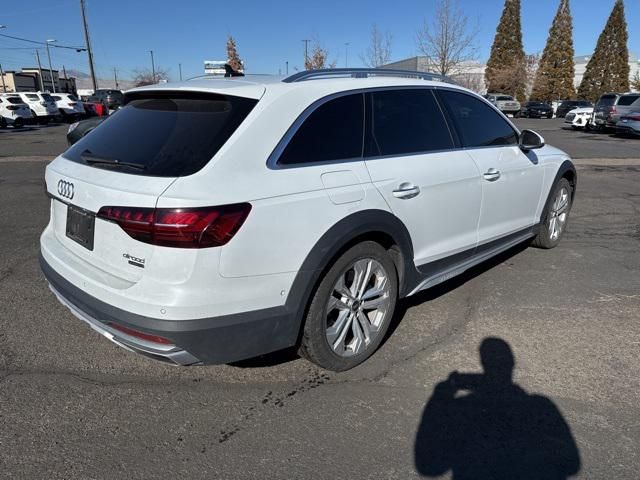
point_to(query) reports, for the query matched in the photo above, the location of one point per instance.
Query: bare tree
(448, 41)
(318, 58)
(379, 51)
(144, 76)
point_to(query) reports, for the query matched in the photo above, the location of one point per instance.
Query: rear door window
(627, 100)
(478, 124)
(407, 121)
(165, 135)
(333, 131)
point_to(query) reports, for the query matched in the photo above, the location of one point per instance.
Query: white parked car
(579, 117)
(13, 112)
(68, 105)
(249, 214)
(42, 106)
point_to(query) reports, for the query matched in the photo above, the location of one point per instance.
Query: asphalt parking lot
(75, 406)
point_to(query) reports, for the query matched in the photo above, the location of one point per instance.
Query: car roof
(255, 86)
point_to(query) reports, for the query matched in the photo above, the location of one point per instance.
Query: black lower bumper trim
(214, 340)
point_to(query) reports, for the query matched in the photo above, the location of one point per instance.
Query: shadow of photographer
(484, 426)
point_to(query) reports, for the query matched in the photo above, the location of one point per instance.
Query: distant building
(473, 76)
(18, 82)
(29, 80)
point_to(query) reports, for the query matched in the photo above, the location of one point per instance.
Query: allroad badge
(65, 189)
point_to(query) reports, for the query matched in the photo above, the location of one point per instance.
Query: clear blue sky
(267, 33)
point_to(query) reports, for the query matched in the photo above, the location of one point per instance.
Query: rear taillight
(634, 116)
(72, 104)
(144, 336)
(13, 107)
(180, 227)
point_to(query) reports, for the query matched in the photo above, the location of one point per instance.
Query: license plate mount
(80, 226)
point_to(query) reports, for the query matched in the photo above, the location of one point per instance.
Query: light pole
(53, 84)
(346, 54)
(4, 87)
(180, 68)
(153, 67)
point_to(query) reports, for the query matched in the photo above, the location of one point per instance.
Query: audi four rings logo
(65, 189)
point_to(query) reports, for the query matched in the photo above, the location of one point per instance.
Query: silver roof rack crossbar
(363, 73)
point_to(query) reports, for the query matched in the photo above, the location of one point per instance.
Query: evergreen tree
(554, 78)
(233, 59)
(635, 82)
(506, 69)
(608, 67)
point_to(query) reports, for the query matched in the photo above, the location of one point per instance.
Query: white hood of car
(582, 110)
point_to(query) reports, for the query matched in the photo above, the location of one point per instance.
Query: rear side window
(334, 131)
(404, 122)
(166, 135)
(477, 123)
(14, 100)
(628, 99)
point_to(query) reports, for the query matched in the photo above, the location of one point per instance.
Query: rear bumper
(213, 340)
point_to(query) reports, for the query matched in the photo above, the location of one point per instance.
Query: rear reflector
(141, 335)
(179, 227)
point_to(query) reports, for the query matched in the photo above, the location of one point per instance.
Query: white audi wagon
(219, 219)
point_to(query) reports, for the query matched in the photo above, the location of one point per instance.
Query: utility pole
(306, 50)
(53, 83)
(64, 70)
(4, 87)
(115, 76)
(287, 66)
(180, 68)
(153, 67)
(346, 54)
(40, 71)
(88, 45)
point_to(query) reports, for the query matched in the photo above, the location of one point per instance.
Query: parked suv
(250, 214)
(69, 106)
(42, 105)
(505, 103)
(13, 112)
(111, 98)
(536, 110)
(604, 108)
(627, 103)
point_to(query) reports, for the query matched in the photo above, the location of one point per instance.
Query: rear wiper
(92, 159)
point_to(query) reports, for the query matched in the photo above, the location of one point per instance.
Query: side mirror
(530, 140)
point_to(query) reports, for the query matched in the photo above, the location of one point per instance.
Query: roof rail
(363, 73)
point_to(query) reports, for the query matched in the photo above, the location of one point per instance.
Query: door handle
(491, 175)
(406, 191)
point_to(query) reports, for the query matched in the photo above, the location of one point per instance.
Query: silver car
(629, 124)
(627, 103)
(505, 103)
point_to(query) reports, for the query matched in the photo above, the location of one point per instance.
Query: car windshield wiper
(93, 159)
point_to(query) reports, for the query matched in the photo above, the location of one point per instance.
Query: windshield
(14, 100)
(48, 98)
(164, 135)
(607, 100)
(504, 98)
(536, 104)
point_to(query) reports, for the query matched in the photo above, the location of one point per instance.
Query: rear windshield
(14, 100)
(628, 99)
(73, 98)
(607, 100)
(168, 135)
(536, 104)
(47, 98)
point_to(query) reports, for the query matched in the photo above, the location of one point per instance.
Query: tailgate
(98, 246)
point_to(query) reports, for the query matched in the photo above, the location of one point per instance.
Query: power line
(77, 49)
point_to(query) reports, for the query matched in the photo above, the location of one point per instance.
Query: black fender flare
(334, 241)
(567, 166)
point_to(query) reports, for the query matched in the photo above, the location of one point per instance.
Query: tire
(355, 332)
(555, 215)
(18, 123)
(3, 123)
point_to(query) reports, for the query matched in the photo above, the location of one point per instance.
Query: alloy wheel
(559, 213)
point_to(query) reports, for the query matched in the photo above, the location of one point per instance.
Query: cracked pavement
(75, 406)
